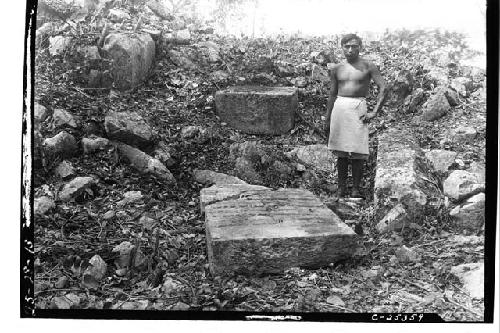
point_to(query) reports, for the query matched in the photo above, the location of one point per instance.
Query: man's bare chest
(353, 74)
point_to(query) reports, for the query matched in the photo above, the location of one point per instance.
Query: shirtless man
(347, 117)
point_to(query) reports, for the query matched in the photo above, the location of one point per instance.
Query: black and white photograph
(253, 160)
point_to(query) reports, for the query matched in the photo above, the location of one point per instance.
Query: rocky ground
(126, 198)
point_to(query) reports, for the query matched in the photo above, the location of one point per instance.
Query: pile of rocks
(126, 132)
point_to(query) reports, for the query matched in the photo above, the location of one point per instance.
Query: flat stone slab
(258, 110)
(268, 231)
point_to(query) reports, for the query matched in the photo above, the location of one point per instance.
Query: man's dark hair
(349, 37)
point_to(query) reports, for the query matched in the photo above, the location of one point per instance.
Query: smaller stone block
(258, 110)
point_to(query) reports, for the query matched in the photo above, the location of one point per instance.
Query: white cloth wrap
(347, 132)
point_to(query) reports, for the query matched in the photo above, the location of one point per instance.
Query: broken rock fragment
(318, 156)
(129, 128)
(472, 277)
(77, 187)
(63, 118)
(144, 163)
(462, 184)
(63, 144)
(441, 160)
(436, 107)
(132, 56)
(43, 205)
(64, 170)
(94, 144)
(470, 215)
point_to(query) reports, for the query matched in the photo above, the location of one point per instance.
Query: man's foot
(356, 194)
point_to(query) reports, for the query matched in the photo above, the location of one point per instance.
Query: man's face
(351, 49)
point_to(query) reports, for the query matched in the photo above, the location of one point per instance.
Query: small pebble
(192, 203)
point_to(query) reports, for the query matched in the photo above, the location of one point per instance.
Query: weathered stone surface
(43, 205)
(440, 159)
(210, 50)
(438, 75)
(462, 134)
(40, 113)
(299, 82)
(130, 197)
(63, 118)
(178, 37)
(320, 74)
(283, 169)
(58, 44)
(219, 76)
(181, 60)
(132, 55)
(209, 177)
(258, 110)
(130, 128)
(479, 170)
(414, 100)
(477, 74)
(64, 170)
(323, 57)
(63, 144)
(245, 170)
(316, 156)
(198, 133)
(90, 52)
(284, 69)
(472, 278)
(250, 150)
(77, 187)
(436, 107)
(93, 144)
(116, 15)
(462, 85)
(166, 154)
(395, 220)
(451, 95)
(470, 215)
(403, 176)
(461, 184)
(269, 231)
(222, 192)
(144, 163)
(263, 79)
(405, 254)
(400, 88)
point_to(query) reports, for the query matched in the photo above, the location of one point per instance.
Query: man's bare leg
(342, 165)
(357, 173)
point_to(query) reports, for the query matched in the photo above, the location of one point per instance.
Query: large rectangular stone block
(267, 231)
(258, 110)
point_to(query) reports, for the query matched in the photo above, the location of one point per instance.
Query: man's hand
(367, 117)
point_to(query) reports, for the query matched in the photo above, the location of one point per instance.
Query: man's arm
(331, 98)
(380, 82)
